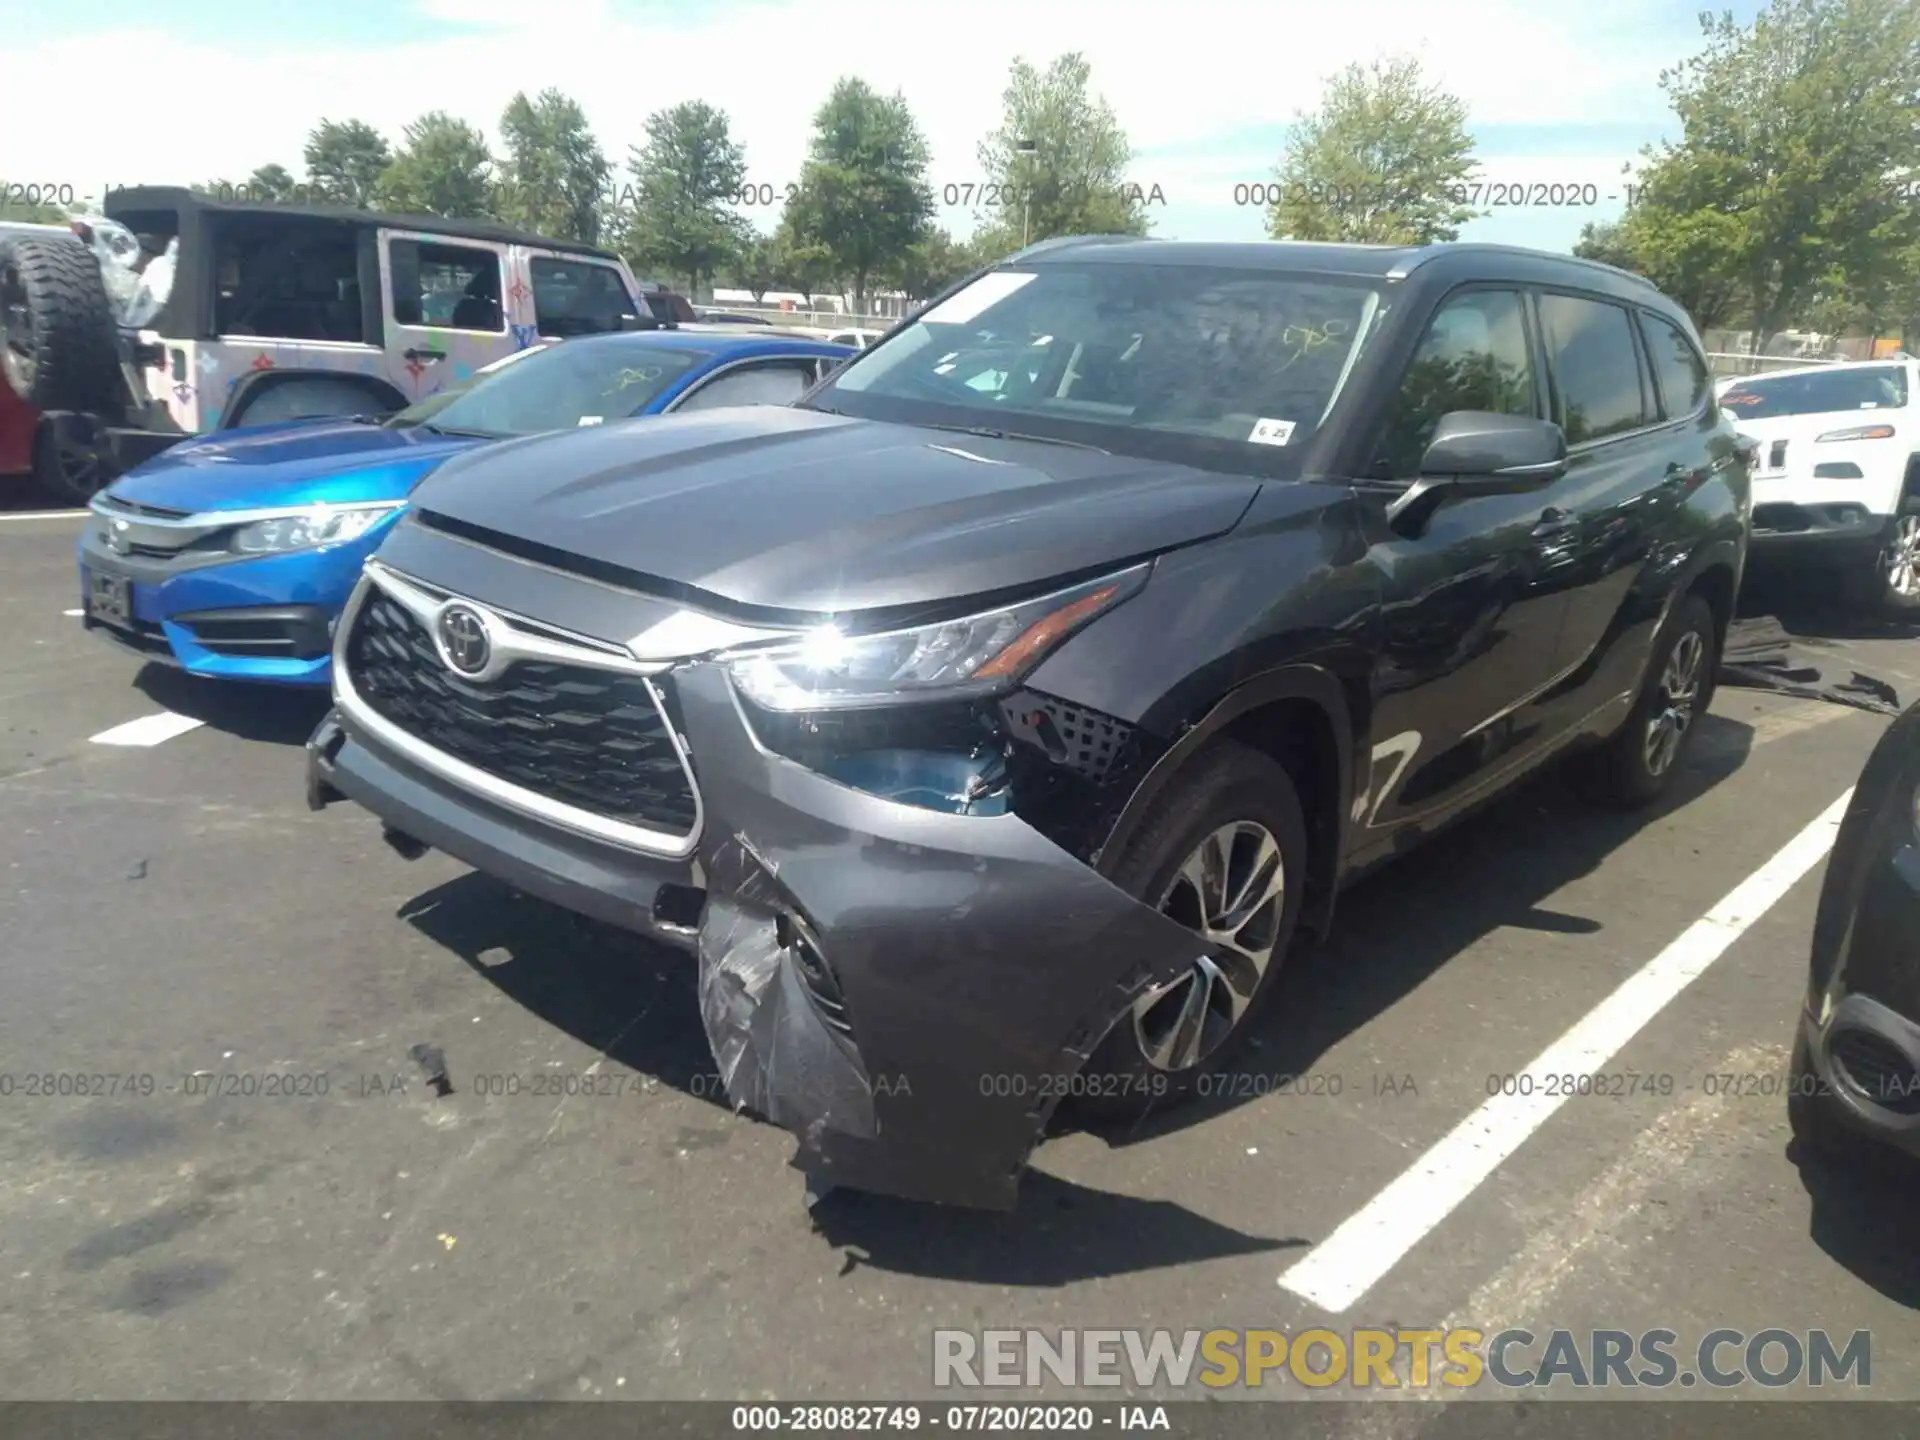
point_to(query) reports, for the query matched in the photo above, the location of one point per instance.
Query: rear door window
(1596, 367)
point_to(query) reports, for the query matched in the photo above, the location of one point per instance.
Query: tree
(443, 168)
(685, 178)
(1057, 163)
(273, 185)
(345, 160)
(802, 264)
(1787, 178)
(756, 269)
(863, 195)
(554, 175)
(1385, 160)
(1604, 241)
(934, 262)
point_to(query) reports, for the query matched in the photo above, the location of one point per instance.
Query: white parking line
(148, 730)
(1348, 1263)
(46, 515)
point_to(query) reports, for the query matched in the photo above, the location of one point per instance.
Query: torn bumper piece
(909, 992)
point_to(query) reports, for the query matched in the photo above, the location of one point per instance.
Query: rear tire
(67, 473)
(1228, 844)
(58, 346)
(1637, 765)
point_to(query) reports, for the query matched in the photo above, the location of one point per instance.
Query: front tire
(1226, 856)
(1890, 589)
(1638, 764)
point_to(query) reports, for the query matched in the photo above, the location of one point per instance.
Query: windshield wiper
(433, 429)
(984, 433)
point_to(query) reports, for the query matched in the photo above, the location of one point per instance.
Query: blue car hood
(304, 462)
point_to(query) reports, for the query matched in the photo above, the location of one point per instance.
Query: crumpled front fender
(909, 992)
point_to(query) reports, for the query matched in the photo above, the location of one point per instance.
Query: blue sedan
(231, 555)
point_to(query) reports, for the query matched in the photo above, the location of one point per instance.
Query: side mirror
(1475, 453)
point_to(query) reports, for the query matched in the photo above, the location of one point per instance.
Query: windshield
(1190, 364)
(1822, 392)
(582, 382)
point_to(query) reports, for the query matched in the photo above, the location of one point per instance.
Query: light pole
(1028, 148)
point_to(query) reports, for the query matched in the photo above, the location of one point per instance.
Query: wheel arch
(1299, 716)
(262, 382)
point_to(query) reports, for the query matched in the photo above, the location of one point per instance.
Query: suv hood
(783, 509)
(302, 462)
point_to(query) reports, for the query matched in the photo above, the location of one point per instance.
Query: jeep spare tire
(58, 346)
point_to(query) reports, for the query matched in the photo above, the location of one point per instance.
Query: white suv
(1836, 483)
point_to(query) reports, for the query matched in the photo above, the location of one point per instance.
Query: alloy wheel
(1903, 558)
(17, 355)
(1231, 891)
(1678, 697)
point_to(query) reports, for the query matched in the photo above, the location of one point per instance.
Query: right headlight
(974, 655)
(308, 529)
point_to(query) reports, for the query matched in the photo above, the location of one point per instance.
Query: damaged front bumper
(908, 991)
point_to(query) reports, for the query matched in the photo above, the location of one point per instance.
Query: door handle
(1553, 522)
(427, 355)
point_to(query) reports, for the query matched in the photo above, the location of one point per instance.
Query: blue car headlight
(308, 529)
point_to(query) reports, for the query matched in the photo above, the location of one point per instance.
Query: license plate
(110, 598)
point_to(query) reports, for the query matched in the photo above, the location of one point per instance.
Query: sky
(1557, 96)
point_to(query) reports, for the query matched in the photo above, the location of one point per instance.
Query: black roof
(1457, 260)
(179, 197)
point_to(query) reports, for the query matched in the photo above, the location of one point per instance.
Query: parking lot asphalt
(275, 1203)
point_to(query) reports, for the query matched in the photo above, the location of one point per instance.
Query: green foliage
(936, 261)
(757, 268)
(1383, 161)
(273, 185)
(553, 175)
(345, 160)
(443, 168)
(1062, 156)
(1787, 179)
(684, 180)
(862, 198)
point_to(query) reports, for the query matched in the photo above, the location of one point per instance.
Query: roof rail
(1434, 252)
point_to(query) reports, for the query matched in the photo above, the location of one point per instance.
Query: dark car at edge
(992, 721)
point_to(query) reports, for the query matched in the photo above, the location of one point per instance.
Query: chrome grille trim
(520, 639)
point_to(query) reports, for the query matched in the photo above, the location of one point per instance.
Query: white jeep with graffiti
(172, 315)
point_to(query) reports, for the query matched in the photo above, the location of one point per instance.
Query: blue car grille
(585, 737)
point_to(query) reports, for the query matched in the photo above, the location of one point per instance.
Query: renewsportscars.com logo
(1393, 1359)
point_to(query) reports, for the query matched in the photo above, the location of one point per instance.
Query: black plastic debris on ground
(433, 1064)
(1761, 655)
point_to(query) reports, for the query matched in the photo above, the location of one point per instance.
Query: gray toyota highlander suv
(992, 722)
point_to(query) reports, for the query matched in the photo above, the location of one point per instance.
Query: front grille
(1778, 459)
(585, 737)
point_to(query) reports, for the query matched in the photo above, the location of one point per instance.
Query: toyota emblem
(464, 642)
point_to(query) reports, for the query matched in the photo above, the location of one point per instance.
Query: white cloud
(1179, 76)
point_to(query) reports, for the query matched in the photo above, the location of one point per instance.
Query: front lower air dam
(907, 991)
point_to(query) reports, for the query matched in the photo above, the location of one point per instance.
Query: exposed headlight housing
(974, 655)
(1857, 432)
(308, 529)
